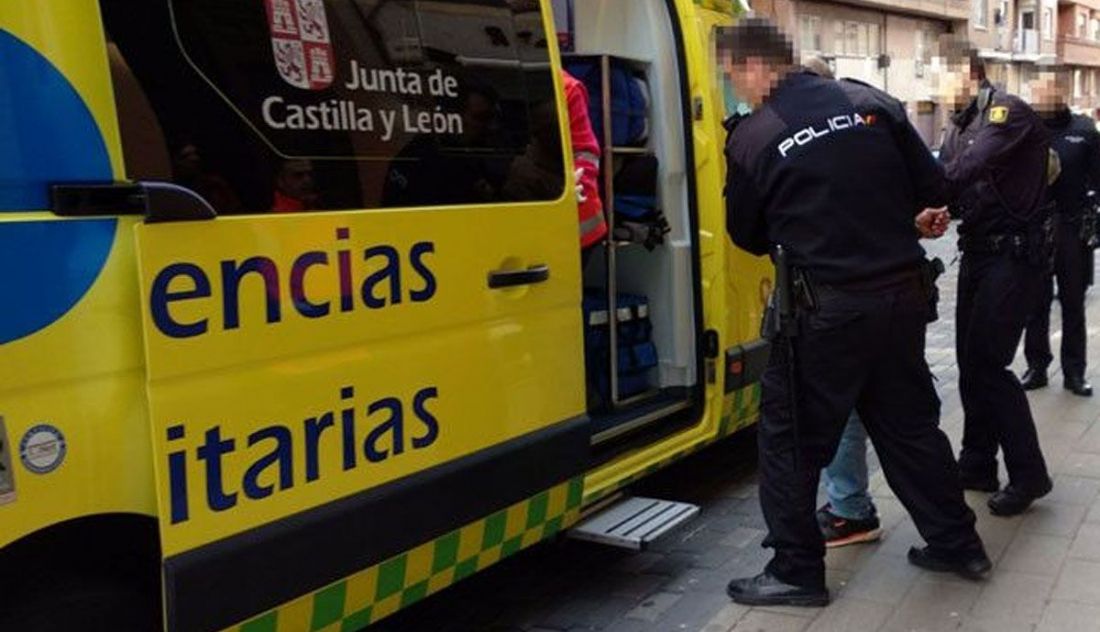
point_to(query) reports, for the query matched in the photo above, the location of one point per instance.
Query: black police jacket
(1075, 139)
(995, 154)
(834, 172)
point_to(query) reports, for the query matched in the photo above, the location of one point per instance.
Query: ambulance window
(297, 105)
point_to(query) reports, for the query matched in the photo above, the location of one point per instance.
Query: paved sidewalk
(1047, 575)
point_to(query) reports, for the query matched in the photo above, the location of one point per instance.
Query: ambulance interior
(638, 36)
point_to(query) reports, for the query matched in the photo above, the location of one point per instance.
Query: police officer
(996, 156)
(1077, 143)
(834, 173)
(849, 516)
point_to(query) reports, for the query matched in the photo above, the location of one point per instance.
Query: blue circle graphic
(47, 135)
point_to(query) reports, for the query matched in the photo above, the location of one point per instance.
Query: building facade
(1079, 49)
(887, 43)
(1017, 38)
(891, 44)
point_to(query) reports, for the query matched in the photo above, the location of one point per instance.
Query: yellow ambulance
(295, 330)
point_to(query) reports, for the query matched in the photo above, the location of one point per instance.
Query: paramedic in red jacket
(586, 161)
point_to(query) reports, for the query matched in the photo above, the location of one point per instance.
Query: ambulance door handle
(158, 201)
(513, 278)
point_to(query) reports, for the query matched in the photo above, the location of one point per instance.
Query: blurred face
(188, 161)
(754, 79)
(955, 83)
(478, 115)
(296, 179)
(1047, 93)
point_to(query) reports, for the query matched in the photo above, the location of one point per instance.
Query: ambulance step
(634, 523)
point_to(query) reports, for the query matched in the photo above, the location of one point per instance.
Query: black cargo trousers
(998, 292)
(861, 349)
(1071, 259)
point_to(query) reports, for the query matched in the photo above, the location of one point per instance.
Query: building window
(1082, 24)
(1027, 20)
(851, 38)
(1028, 35)
(1078, 84)
(1096, 29)
(922, 52)
(810, 26)
(981, 13)
(1048, 24)
(857, 39)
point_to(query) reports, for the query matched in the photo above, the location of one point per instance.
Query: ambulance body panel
(308, 420)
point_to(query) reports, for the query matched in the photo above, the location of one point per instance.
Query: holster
(931, 270)
(1039, 247)
(769, 326)
(1088, 227)
(793, 295)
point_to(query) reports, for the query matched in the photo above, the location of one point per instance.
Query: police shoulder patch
(998, 114)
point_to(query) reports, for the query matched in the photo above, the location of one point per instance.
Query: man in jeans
(850, 516)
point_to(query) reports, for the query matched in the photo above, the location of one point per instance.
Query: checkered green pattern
(740, 409)
(379, 591)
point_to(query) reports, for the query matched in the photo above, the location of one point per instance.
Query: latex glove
(577, 175)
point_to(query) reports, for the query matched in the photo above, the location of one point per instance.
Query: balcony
(952, 10)
(1026, 43)
(1078, 51)
(1003, 40)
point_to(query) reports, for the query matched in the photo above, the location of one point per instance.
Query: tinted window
(315, 104)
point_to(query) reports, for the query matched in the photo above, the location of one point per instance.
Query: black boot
(979, 483)
(766, 590)
(1034, 379)
(1013, 500)
(974, 565)
(1078, 386)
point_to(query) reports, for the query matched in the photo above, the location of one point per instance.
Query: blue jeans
(846, 477)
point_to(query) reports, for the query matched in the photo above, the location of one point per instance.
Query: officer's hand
(577, 175)
(941, 221)
(932, 223)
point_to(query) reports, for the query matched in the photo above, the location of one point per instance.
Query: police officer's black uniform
(996, 156)
(834, 173)
(1077, 143)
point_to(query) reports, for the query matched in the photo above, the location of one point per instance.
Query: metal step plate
(635, 522)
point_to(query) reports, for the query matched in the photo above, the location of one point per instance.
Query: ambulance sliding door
(331, 387)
